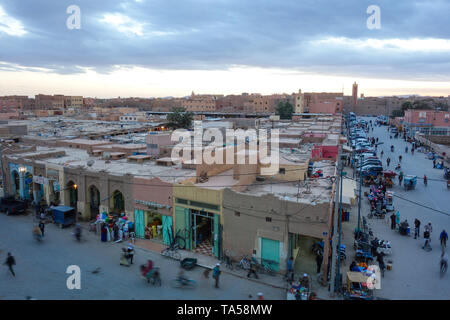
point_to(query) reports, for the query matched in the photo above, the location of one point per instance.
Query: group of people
(377, 197)
(116, 229)
(428, 228)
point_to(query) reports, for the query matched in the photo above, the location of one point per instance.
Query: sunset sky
(152, 48)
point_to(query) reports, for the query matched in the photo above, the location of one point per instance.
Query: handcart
(409, 182)
(188, 263)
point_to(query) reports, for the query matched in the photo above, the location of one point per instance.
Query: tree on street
(284, 110)
(180, 118)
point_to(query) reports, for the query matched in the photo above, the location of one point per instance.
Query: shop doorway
(118, 202)
(28, 186)
(94, 201)
(203, 231)
(72, 190)
(305, 253)
(154, 226)
(16, 184)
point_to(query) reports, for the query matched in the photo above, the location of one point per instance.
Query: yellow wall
(293, 173)
(194, 193)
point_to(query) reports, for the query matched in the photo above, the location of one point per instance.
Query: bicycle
(227, 260)
(244, 264)
(181, 283)
(172, 252)
(180, 240)
(267, 267)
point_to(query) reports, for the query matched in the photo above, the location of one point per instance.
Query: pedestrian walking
(216, 274)
(412, 151)
(290, 269)
(426, 236)
(417, 228)
(434, 163)
(397, 218)
(428, 227)
(381, 154)
(443, 237)
(132, 237)
(252, 270)
(400, 158)
(319, 259)
(388, 160)
(392, 221)
(400, 178)
(406, 149)
(10, 261)
(42, 227)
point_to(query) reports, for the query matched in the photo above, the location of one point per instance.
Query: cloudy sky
(171, 47)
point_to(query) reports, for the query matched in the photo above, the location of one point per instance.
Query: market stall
(113, 228)
(358, 284)
(300, 290)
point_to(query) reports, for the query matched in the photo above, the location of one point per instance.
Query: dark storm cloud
(208, 34)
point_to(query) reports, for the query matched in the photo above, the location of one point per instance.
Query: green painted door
(180, 220)
(167, 229)
(216, 235)
(182, 223)
(139, 223)
(270, 252)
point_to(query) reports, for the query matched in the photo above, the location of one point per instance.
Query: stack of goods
(317, 174)
(300, 292)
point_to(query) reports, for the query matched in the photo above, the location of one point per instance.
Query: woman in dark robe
(103, 233)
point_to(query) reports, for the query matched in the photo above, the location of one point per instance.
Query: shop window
(268, 219)
(282, 171)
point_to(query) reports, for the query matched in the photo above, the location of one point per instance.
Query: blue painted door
(167, 229)
(139, 223)
(270, 252)
(216, 235)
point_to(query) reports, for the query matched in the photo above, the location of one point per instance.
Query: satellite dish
(90, 163)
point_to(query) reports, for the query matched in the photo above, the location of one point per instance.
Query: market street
(41, 269)
(415, 273)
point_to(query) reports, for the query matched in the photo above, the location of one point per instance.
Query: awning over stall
(348, 191)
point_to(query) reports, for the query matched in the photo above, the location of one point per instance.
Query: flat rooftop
(76, 158)
(310, 191)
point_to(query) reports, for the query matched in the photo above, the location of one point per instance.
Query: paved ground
(415, 273)
(41, 270)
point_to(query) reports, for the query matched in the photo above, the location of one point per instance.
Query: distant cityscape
(134, 109)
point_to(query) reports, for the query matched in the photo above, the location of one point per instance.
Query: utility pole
(359, 196)
(338, 273)
(335, 223)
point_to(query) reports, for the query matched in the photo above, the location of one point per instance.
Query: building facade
(428, 122)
